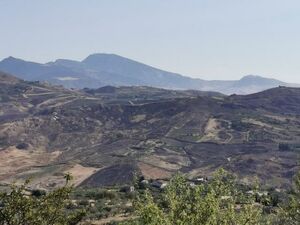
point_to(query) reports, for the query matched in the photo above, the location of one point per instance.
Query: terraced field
(102, 136)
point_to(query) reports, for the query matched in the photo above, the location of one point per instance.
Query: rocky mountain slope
(100, 70)
(102, 136)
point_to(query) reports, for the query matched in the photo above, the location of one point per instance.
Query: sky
(208, 39)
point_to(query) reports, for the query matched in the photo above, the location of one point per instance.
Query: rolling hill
(111, 132)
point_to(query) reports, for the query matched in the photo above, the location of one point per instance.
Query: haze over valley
(100, 70)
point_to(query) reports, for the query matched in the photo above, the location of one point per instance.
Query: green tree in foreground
(216, 203)
(17, 208)
(290, 212)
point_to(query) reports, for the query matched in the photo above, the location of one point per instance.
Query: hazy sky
(209, 39)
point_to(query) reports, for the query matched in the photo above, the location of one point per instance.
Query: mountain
(102, 136)
(100, 70)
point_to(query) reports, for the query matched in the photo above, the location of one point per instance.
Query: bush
(38, 193)
(100, 194)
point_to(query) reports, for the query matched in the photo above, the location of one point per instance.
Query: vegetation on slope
(220, 201)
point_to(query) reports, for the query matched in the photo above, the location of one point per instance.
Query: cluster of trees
(17, 207)
(217, 202)
(213, 203)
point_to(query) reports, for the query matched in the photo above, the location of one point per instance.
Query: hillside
(100, 70)
(110, 132)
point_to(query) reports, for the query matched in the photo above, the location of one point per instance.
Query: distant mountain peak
(255, 80)
(11, 59)
(102, 69)
(105, 59)
(251, 76)
(103, 54)
(255, 77)
(97, 56)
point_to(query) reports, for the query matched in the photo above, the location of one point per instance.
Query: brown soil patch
(211, 130)
(14, 161)
(80, 173)
(160, 162)
(153, 172)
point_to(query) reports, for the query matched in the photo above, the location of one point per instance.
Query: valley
(103, 136)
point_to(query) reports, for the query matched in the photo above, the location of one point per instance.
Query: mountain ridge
(101, 69)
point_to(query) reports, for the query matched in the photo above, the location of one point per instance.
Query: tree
(290, 211)
(19, 208)
(214, 203)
